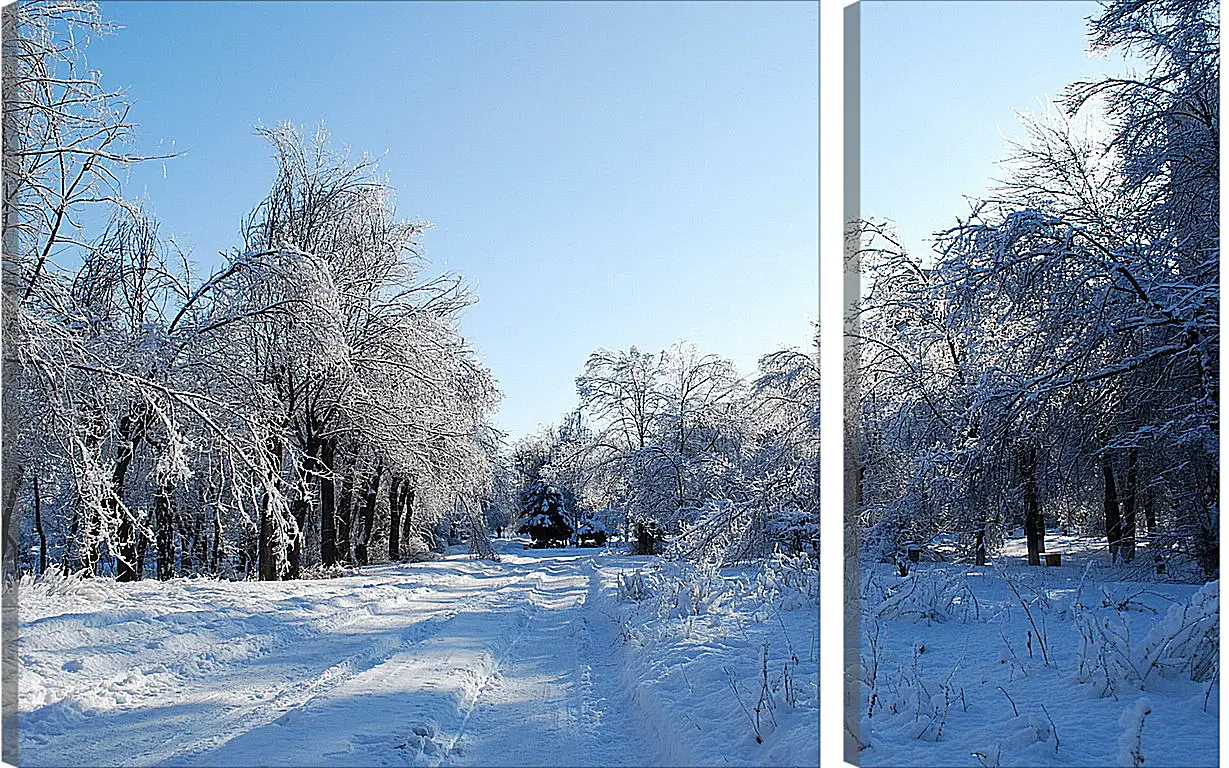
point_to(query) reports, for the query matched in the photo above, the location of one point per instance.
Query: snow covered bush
(684, 590)
(1184, 643)
(1104, 657)
(634, 587)
(924, 595)
(591, 532)
(788, 581)
(1130, 744)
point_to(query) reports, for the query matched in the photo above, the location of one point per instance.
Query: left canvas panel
(410, 384)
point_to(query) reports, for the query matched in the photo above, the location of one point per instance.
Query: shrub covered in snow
(591, 532)
(1184, 643)
(923, 595)
(683, 589)
(789, 581)
(634, 587)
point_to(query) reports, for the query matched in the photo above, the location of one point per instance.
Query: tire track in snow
(301, 694)
(547, 663)
(214, 732)
(484, 684)
(211, 733)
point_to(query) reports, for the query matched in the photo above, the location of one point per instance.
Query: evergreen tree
(542, 515)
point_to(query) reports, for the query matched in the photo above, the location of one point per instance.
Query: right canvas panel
(1032, 357)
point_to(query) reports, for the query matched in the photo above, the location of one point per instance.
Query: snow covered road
(454, 662)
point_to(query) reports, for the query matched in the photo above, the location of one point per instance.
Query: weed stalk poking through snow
(1130, 744)
(1041, 641)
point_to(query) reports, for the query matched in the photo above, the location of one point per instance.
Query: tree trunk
(345, 507)
(142, 546)
(1206, 522)
(200, 543)
(298, 510)
(394, 517)
(38, 526)
(407, 517)
(269, 552)
(1034, 525)
(301, 505)
(979, 547)
(12, 486)
(1127, 547)
(126, 549)
(644, 540)
(368, 515)
(66, 559)
(215, 553)
(164, 531)
(1113, 526)
(328, 503)
(267, 567)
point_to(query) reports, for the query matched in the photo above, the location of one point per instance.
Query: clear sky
(606, 175)
(942, 83)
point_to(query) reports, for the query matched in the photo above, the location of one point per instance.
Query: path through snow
(454, 662)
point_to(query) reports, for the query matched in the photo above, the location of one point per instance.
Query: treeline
(310, 401)
(675, 451)
(1056, 362)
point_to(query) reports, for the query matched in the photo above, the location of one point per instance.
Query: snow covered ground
(1016, 666)
(557, 657)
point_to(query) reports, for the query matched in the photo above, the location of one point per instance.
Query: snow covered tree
(66, 142)
(1060, 351)
(543, 515)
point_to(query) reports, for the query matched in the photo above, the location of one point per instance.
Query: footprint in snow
(76, 665)
(424, 739)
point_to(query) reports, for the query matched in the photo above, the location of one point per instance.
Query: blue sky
(942, 83)
(606, 175)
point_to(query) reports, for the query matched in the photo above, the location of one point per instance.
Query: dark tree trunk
(979, 547)
(368, 515)
(189, 544)
(345, 507)
(407, 516)
(164, 530)
(13, 484)
(1127, 547)
(394, 517)
(142, 546)
(1206, 523)
(38, 526)
(301, 506)
(645, 540)
(267, 567)
(215, 553)
(126, 550)
(298, 510)
(268, 556)
(328, 503)
(66, 558)
(200, 546)
(1034, 524)
(1113, 525)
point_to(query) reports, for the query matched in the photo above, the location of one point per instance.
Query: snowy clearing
(1029, 666)
(543, 658)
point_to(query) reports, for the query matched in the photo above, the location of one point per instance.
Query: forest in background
(310, 403)
(1055, 362)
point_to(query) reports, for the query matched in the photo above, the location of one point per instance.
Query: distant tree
(543, 515)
